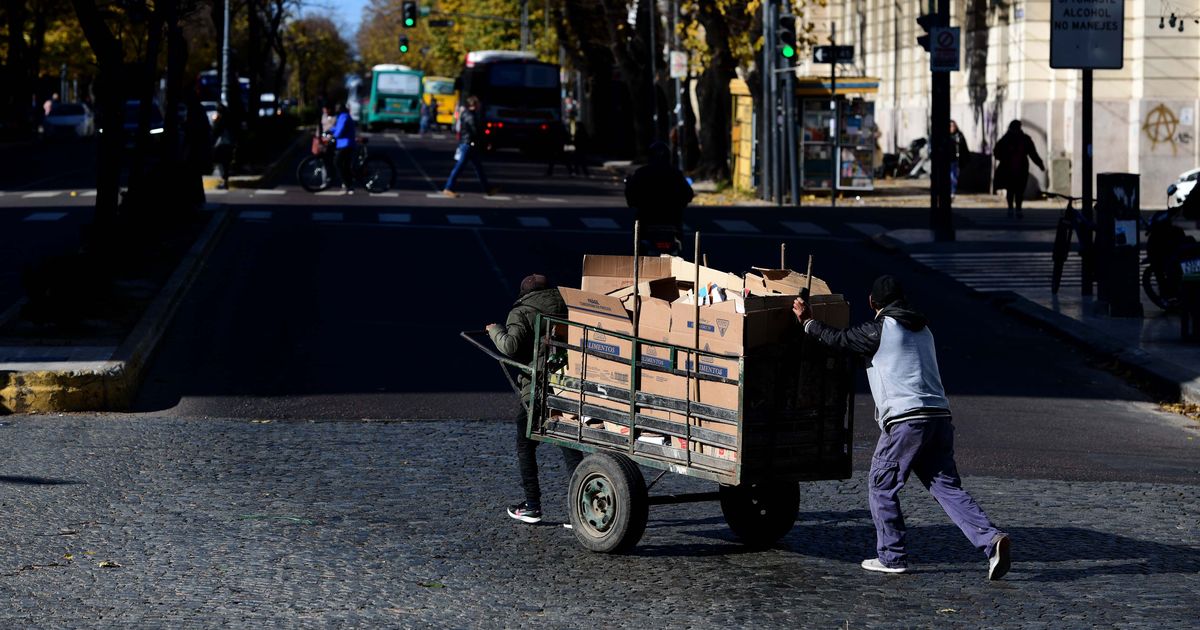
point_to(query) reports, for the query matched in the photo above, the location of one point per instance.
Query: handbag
(317, 145)
(460, 152)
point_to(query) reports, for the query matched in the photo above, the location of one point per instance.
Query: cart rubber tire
(607, 503)
(760, 513)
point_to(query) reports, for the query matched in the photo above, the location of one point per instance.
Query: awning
(821, 86)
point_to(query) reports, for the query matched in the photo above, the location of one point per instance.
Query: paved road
(249, 489)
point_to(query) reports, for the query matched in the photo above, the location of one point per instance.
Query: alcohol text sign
(1087, 34)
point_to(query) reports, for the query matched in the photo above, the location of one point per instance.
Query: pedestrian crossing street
(1002, 271)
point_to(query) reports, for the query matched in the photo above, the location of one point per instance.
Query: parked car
(132, 110)
(210, 110)
(69, 120)
(1183, 185)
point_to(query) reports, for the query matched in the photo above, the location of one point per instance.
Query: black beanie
(533, 282)
(886, 290)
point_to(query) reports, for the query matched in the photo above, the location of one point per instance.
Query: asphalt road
(314, 445)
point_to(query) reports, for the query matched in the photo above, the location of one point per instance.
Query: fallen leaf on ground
(109, 564)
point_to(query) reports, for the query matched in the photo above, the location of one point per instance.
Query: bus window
(522, 75)
(394, 83)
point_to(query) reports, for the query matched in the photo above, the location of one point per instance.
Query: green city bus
(396, 93)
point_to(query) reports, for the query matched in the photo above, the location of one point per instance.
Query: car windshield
(439, 87)
(131, 115)
(67, 109)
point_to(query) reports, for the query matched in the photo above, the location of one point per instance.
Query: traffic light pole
(837, 123)
(789, 97)
(941, 215)
(1088, 270)
(767, 169)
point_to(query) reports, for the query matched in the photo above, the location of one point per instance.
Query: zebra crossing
(1002, 271)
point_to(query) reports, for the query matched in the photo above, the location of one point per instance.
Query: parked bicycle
(1071, 221)
(373, 172)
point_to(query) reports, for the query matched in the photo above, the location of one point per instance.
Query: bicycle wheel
(377, 174)
(312, 174)
(1062, 249)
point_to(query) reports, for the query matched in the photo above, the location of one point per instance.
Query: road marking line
(437, 195)
(400, 143)
(88, 193)
(551, 199)
(600, 223)
(332, 193)
(534, 222)
(804, 227)
(736, 225)
(395, 217)
(267, 191)
(497, 198)
(255, 215)
(45, 216)
(385, 194)
(869, 229)
(464, 219)
(327, 216)
(42, 194)
(217, 191)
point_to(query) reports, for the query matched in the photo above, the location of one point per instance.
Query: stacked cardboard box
(755, 314)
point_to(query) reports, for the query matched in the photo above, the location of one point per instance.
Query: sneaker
(1000, 561)
(874, 564)
(450, 193)
(522, 512)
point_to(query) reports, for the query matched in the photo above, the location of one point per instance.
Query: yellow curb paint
(47, 391)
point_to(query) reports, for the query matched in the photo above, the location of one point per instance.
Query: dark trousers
(527, 461)
(344, 157)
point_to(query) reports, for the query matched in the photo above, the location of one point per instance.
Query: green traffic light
(404, 49)
(409, 21)
(789, 52)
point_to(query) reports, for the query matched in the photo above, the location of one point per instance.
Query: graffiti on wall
(1163, 126)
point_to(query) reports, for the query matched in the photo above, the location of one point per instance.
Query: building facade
(1144, 114)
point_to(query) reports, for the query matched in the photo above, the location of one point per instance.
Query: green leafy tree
(320, 59)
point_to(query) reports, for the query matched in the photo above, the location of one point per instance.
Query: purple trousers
(924, 447)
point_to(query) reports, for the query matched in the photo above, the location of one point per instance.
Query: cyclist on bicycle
(343, 133)
(658, 192)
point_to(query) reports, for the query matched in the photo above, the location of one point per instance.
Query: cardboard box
(721, 323)
(608, 313)
(603, 274)
(607, 372)
(784, 281)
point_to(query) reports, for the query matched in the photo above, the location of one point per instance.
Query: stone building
(1145, 113)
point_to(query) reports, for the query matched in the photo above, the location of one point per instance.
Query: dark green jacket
(515, 339)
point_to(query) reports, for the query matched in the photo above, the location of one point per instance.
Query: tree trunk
(627, 50)
(713, 95)
(110, 106)
(137, 168)
(20, 98)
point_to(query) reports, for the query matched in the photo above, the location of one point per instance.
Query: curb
(113, 384)
(268, 175)
(1173, 381)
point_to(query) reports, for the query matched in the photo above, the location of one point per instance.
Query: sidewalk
(1010, 261)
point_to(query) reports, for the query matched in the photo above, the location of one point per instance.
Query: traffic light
(928, 22)
(785, 37)
(409, 13)
(403, 44)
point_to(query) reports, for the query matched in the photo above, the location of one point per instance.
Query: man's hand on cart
(489, 327)
(801, 309)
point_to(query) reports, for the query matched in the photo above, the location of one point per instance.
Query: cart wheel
(607, 503)
(760, 513)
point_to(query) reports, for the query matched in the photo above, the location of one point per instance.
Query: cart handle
(467, 334)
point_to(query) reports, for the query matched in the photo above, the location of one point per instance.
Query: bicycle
(1071, 220)
(373, 172)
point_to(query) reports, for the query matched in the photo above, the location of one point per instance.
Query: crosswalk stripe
(464, 219)
(42, 194)
(736, 225)
(436, 195)
(869, 229)
(600, 223)
(88, 193)
(268, 191)
(335, 192)
(497, 198)
(395, 217)
(217, 191)
(45, 216)
(1002, 271)
(534, 222)
(255, 215)
(804, 227)
(391, 193)
(551, 199)
(327, 217)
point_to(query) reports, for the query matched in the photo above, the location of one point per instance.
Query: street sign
(1087, 34)
(679, 64)
(833, 54)
(943, 49)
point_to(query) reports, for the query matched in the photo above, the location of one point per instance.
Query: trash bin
(1117, 249)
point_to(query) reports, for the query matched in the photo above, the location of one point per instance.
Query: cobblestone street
(173, 523)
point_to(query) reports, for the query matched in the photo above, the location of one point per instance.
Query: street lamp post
(225, 59)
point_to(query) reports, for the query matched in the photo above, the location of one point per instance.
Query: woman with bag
(1013, 152)
(467, 150)
(223, 147)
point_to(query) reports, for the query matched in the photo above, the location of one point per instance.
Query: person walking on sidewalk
(515, 339)
(468, 149)
(915, 423)
(344, 134)
(1013, 152)
(959, 153)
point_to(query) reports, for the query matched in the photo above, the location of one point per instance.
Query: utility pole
(680, 139)
(766, 170)
(525, 25)
(225, 59)
(837, 121)
(653, 68)
(1089, 269)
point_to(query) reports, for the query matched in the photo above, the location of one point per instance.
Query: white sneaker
(1000, 561)
(873, 564)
